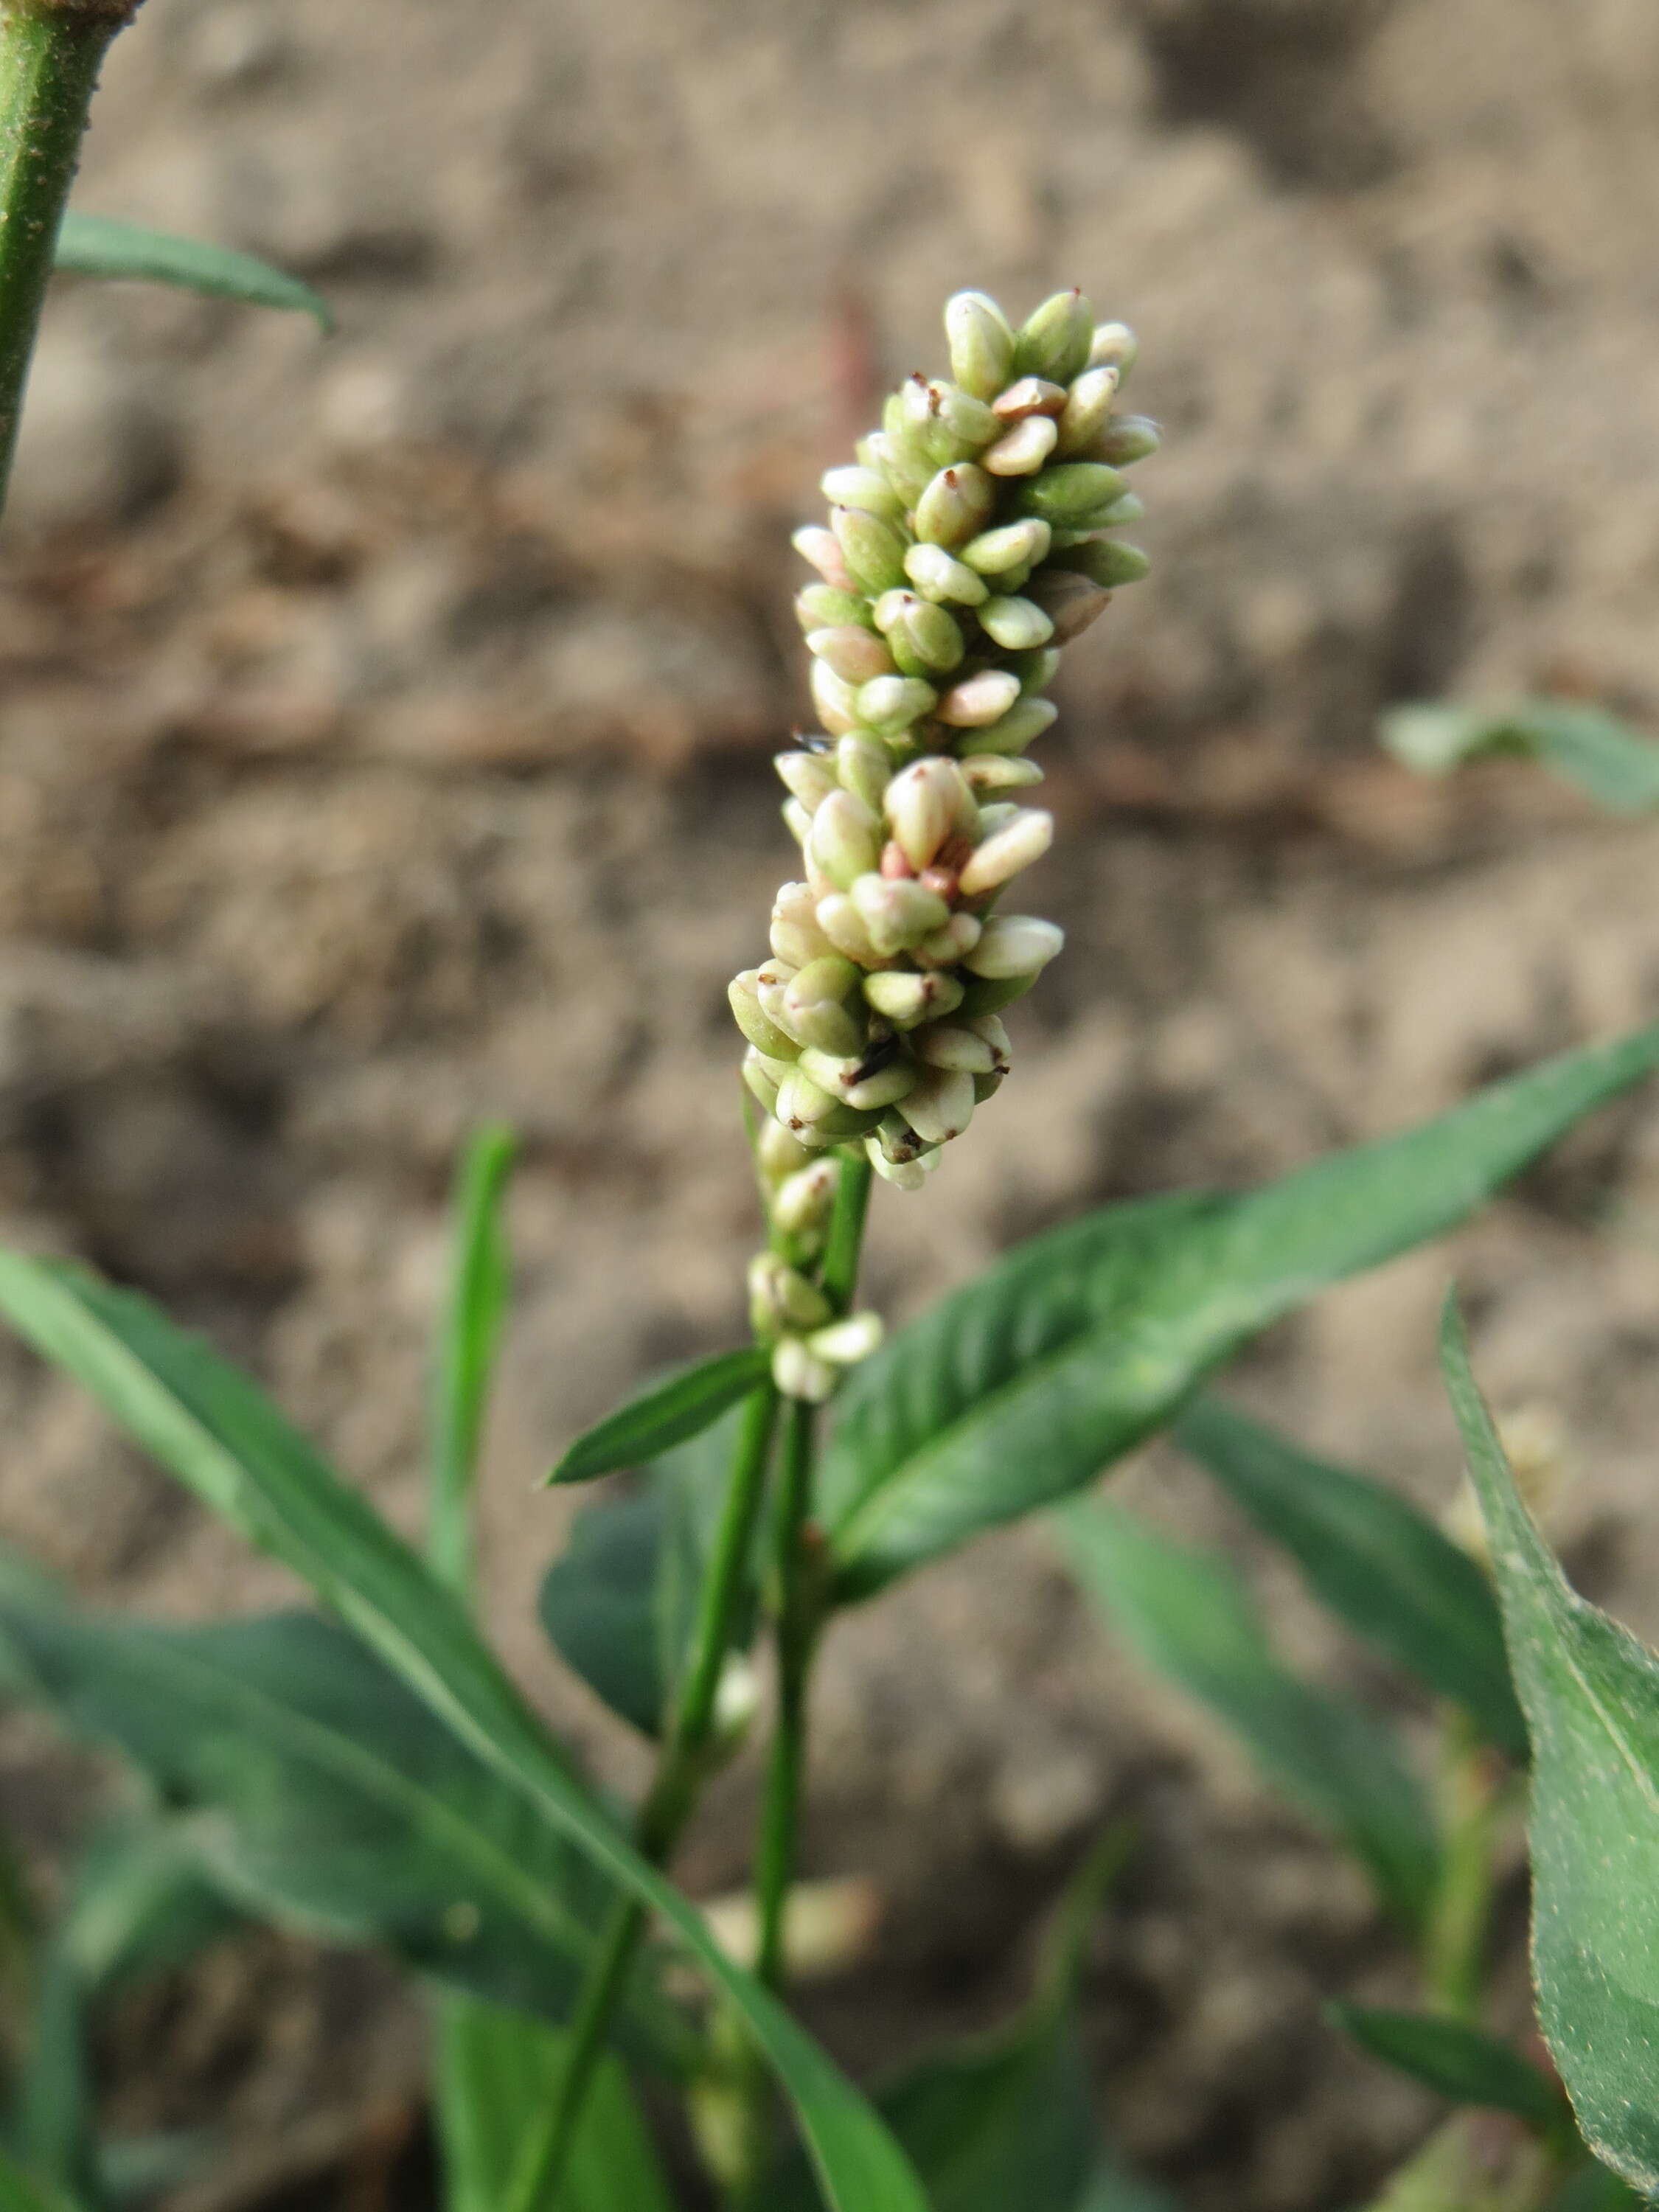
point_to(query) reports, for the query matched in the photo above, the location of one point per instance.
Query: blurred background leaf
(1600, 755)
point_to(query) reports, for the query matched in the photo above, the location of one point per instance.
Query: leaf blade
(1612, 763)
(1456, 2060)
(96, 245)
(669, 1414)
(470, 1339)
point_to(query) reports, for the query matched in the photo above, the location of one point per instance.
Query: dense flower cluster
(970, 540)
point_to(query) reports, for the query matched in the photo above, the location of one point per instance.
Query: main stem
(796, 1586)
(666, 1808)
(50, 52)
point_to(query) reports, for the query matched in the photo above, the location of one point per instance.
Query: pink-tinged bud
(946, 947)
(979, 700)
(1114, 345)
(897, 915)
(906, 1000)
(892, 703)
(999, 772)
(1015, 545)
(815, 1003)
(821, 606)
(939, 577)
(845, 839)
(1128, 439)
(1071, 490)
(847, 929)
(871, 549)
(868, 489)
(941, 1106)
(1014, 944)
(809, 776)
(863, 765)
(925, 804)
(1024, 723)
(955, 505)
(835, 699)
(819, 546)
(1022, 450)
(796, 936)
(1032, 395)
(1054, 342)
(1003, 854)
(855, 653)
(742, 993)
(1016, 625)
(946, 1044)
(982, 343)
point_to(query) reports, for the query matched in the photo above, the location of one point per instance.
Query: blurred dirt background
(383, 745)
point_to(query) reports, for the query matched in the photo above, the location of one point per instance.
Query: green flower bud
(1036, 670)
(847, 929)
(938, 576)
(933, 637)
(948, 1044)
(816, 1002)
(1107, 562)
(998, 772)
(1014, 944)
(761, 1082)
(946, 947)
(1022, 450)
(781, 1297)
(907, 999)
(802, 1202)
(820, 546)
(987, 994)
(1016, 625)
(1114, 346)
(1055, 341)
(868, 489)
(893, 702)
(981, 341)
(1062, 494)
(925, 804)
(979, 700)
(956, 506)
(941, 1106)
(744, 994)
(1024, 721)
(1003, 854)
(796, 937)
(897, 1141)
(1015, 545)
(968, 421)
(835, 699)
(1088, 404)
(809, 776)
(845, 839)
(872, 549)
(820, 606)
(778, 1153)
(898, 914)
(864, 766)
(856, 655)
(1128, 439)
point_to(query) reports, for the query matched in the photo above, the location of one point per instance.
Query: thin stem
(797, 1589)
(50, 56)
(667, 1806)
(845, 1245)
(1460, 1918)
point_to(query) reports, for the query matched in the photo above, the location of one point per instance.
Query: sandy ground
(384, 745)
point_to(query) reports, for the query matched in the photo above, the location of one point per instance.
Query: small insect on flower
(971, 539)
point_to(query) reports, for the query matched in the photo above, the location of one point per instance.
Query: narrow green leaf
(1457, 2061)
(1616, 765)
(471, 1339)
(1372, 1558)
(1020, 1388)
(669, 1414)
(211, 1428)
(1590, 1692)
(600, 1609)
(494, 2069)
(93, 246)
(1184, 1613)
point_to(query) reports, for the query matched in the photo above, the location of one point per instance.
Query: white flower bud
(1088, 404)
(1009, 850)
(941, 1106)
(903, 1174)
(868, 489)
(758, 1076)
(742, 993)
(1024, 721)
(898, 914)
(845, 839)
(835, 699)
(998, 772)
(795, 935)
(955, 506)
(884, 1086)
(780, 1154)
(819, 546)
(802, 1202)
(940, 577)
(863, 765)
(979, 700)
(847, 929)
(925, 804)
(807, 775)
(897, 1141)
(946, 1044)
(844, 1343)
(1015, 625)
(780, 1296)
(798, 1373)
(982, 343)
(1054, 342)
(1015, 545)
(907, 999)
(1114, 345)
(872, 549)
(990, 1028)
(815, 1003)
(856, 654)
(799, 819)
(1014, 944)
(946, 947)
(894, 702)
(801, 1103)
(1022, 450)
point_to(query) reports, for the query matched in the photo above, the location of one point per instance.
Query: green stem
(673, 1792)
(797, 1590)
(1473, 1802)
(50, 52)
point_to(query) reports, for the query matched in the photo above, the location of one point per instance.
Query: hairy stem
(50, 52)
(667, 1807)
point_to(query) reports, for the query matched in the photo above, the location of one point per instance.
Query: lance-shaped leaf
(1614, 764)
(1021, 1387)
(93, 246)
(1185, 1613)
(469, 1341)
(209, 1426)
(671, 1412)
(1372, 1558)
(1457, 2061)
(1590, 1692)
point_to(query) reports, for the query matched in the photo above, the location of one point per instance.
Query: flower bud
(998, 772)
(781, 1297)
(742, 993)
(988, 1027)
(1032, 395)
(946, 947)
(796, 937)
(933, 638)
(968, 421)
(1015, 545)
(1055, 341)
(868, 489)
(864, 766)
(844, 843)
(798, 1373)
(801, 1103)
(1088, 404)
(807, 775)
(1072, 489)
(955, 505)
(1016, 625)
(979, 700)
(1114, 346)
(835, 699)
(847, 929)
(799, 819)
(820, 546)
(802, 1202)
(1009, 850)
(946, 1044)
(925, 804)
(1014, 944)
(906, 1000)
(938, 576)
(1070, 601)
(821, 606)
(856, 655)
(779, 1154)
(1107, 562)
(941, 1106)
(872, 549)
(1022, 450)
(982, 343)
(903, 1174)
(1024, 723)
(844, 1343)
(1036, 670)
(891, 703)
(897, 915)
(815, 1003)
(1128, 439)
